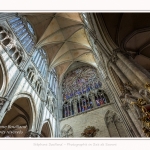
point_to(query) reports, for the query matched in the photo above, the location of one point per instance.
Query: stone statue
(145, 93)
(132, 100)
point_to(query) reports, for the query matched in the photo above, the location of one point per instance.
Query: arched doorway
(18, 120)
(46, 131)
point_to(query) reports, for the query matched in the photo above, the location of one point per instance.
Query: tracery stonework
(80, 81)
(84, 86)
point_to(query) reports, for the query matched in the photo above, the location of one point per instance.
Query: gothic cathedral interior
(74, 75)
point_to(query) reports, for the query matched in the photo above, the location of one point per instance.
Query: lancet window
(38, 85)
(53, 84)
(31, 74)
(40, 61)
(12, 49)
(101, 98)
(24, 32)
(82, 91)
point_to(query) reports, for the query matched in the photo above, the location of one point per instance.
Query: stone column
(135, 120)
(40, 116)
(59, 102)
(142, 76)
(129, 74)
(14, 86)
(128, 115)
(75, 107)
(10, 95)
(68, 110)
(122, 77)
(80, 107)
(93, 100)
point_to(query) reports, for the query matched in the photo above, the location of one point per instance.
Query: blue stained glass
(29, 48)
(30, 28)
(28, 43)
(18, 28)
(19, 33)
(71, 94)
(67, 96)
(15, 24)
(87, 88)
(83, 80)
(23, 36)
(99, 83)
(13, 20)
(96, 85)
(24, 41)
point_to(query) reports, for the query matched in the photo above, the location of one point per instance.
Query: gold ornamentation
(146, 119)
(141, 102)
(147, 86)
(90, 131)
(146, 131)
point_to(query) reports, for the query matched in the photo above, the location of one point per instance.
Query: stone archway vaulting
(21, 118)
(32, 107)
(63, 37)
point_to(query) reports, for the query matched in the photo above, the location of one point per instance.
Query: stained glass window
(53, 85)
(40, 61)
(20, 29)
(80, 81)
(30, 28)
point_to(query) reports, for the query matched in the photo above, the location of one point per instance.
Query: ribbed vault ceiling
(131, 33)
(63, 37)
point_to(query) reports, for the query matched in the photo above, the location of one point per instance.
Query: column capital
(114, 56)
(125, 106)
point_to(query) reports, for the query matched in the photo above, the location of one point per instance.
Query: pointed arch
(32, 105)
(46, 130)
(21, 115)
(114, 124)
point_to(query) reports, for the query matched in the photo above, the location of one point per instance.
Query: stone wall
(25, 88)
(94, 117)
